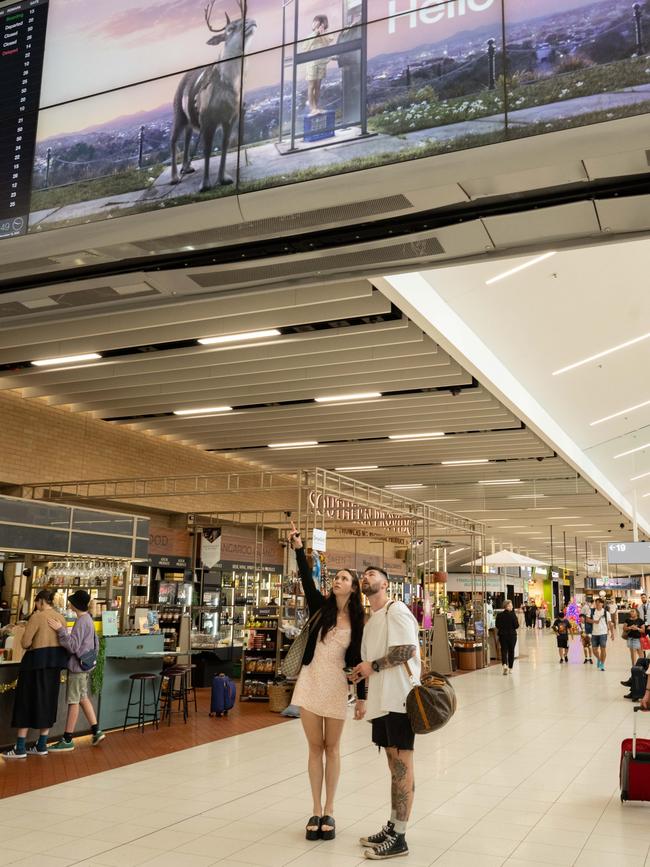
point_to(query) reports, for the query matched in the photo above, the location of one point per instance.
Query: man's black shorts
(563, 641)
(393, 730)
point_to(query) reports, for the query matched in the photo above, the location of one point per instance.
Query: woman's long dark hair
(329, 612)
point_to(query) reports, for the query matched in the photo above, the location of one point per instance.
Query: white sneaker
(505, 669)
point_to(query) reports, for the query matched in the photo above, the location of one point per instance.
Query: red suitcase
(635, 767)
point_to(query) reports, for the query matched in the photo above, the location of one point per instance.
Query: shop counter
(126, 655)
(8, 677)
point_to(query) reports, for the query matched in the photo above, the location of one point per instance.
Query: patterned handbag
(292, 662)
(431, 703)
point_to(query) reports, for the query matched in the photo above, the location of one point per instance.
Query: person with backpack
(562, 628)
(599, 619)
(82, 645)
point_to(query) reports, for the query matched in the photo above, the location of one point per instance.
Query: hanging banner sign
(319, 540)
(340, 509)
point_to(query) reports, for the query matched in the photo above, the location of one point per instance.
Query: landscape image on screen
(366, 83)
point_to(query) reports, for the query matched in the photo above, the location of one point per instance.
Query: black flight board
(22, 43)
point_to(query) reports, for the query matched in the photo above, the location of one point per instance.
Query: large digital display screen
(145, 106)
(22, 40)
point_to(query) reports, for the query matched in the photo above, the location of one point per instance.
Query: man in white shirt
(390, 645)
(599, 618)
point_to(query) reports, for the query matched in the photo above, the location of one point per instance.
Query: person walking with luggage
(507, 625)
(633, 630)
(599, 619)
(561, 628)
(39, 676)
(80, 643)
(390, 645)
(334, 645)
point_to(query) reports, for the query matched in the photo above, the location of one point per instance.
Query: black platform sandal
(331, 834)
(313, 833)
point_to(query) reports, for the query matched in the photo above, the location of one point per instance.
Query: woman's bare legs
(313, 726)
(333, 732)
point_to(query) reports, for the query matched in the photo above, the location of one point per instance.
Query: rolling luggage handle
(637, 708)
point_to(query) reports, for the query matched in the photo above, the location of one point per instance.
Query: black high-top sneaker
(377, 839)
(394, 846)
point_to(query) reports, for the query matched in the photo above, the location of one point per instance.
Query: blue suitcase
(223, 695)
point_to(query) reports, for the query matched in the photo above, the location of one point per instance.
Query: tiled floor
(121, 749)
(526, 773)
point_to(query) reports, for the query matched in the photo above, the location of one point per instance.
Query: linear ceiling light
(404, 487)
(500, 482)
(208, 410)
(519, 268)
(526, 496)
(620, 413)
(67, 359)
(464, 463)
(601, 354)
(236, 338)
(578, 525)
(457, 551)
(443, 501)
(305, 444)
(642, 476)
(562, 517)
(632, 451)
(417, 436)
(341, 398)
(356, 469)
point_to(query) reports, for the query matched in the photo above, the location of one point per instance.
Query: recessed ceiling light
(417, 436)
(620, 413)
(457, 551)
(237, 338)
(632, 451)
(544, 509)
(305, 444)
(518, 268)
(462, 463)
(601, 354)
(501, 482)
(67, 359)
(342, 398)
(208, 410)
(442, 501)
(579, 525)
(642, 476)
(356, 469)
(514, 527)
(526, 496)
(403, 487)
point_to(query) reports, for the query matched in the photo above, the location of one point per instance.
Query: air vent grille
(343, 261)
(278, 225)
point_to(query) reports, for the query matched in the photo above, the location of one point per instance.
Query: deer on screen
(208, 98)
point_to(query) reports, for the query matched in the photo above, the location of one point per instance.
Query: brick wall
(42, 443)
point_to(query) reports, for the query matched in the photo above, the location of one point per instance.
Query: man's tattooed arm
(397, 655)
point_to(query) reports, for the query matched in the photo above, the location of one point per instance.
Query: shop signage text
(340, 509)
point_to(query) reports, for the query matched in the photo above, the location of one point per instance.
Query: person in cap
(79, 643)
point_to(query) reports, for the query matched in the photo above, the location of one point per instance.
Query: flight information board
(22, 43)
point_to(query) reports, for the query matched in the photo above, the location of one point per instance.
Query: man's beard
(370, 591)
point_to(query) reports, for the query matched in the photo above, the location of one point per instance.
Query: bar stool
(141, 702)
(189, 685)
(170, 692)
